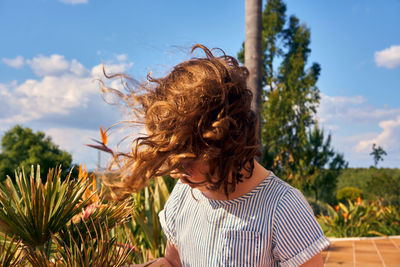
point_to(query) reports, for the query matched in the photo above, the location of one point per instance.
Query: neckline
(219, 203)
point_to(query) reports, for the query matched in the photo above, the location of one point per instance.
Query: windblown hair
(199, 111)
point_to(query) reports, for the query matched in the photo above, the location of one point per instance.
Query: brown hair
(199, 111)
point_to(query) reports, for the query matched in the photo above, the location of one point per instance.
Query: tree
(377, 153)
(291, 95)
(20, 147)
(253, 55)
(321, 166)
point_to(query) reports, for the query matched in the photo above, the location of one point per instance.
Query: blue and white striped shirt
(272, 225)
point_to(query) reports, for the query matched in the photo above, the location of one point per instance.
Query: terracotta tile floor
(364, 251)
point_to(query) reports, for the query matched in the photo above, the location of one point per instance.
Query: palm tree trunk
(253, 54)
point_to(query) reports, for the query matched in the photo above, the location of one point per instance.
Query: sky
(52, 50)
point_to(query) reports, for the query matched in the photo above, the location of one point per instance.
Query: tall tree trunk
(253, 54)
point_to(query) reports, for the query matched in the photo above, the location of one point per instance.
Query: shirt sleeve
(168, 215)
(297, 236)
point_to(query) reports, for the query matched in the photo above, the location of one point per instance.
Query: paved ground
(362, 252)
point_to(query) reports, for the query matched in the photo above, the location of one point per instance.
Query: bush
(348, 193)
(360, 219)
(59, 221)
(386, 187)
(319, 207)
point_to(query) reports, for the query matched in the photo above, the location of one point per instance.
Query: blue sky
(51, 51)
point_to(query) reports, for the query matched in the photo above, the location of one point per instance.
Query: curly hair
(199, 111)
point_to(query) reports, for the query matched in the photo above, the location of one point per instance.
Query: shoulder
(274, 189)
(177, 196)
(172, 207)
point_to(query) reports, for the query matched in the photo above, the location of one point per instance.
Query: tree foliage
(291, 97)
(20, 147)
(377, 153)
(320, 166)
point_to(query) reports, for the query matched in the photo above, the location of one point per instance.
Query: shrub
(64, 214)
(348, 193)
(360, 219)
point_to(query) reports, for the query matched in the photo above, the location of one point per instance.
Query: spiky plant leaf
(32, 211)
(107, 215)
(86, 248)
(144, 230)
(10, 251)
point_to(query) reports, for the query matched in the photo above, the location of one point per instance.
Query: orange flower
(345, 215)
(359, 201)
(103, 134)
(337, 208)
(82, 174)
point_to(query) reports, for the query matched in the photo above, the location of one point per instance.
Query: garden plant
(68, 223)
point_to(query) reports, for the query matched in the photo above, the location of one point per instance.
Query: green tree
(385, 186)
(20, 147)
(377, 153)
(321, 166)
(291, 95)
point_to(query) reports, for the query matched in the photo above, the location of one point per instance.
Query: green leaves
(360, 219)
(10, 254)
(20, 147)
(144, 231)
(92, 246)
(32, 211)
(60, 223)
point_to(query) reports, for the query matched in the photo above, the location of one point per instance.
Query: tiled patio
(375, 251)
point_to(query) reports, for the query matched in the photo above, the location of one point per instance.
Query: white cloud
(355, 125)
(56, 65)
(74, 2)
(97, 71)
(62, 87)
(17, 62)
(122, 57)
(73, 140)
(388, 138)
(354, 110)
(389, 57)
(65, 100)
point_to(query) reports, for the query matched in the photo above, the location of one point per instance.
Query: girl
(226, 209)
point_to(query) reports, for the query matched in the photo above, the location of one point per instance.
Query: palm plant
(42, 215)
(360, 219)
(10, 254)
(87, 248)
(144, 230)
(33, 211)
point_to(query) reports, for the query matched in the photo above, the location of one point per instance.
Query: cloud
(74, 141)
(56, 65)
(62, 87)
(355, 125)
(97, 71)
(389, 57)
(122, 57)
(17, 62)
(74, 2)
(354, 110)
(388, 138)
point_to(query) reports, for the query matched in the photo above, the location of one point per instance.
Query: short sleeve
(297, 236)
(168, 215)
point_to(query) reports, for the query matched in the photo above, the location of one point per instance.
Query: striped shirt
(272, 225)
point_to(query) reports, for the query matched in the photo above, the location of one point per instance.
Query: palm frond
(32, 211)
(10, 251)
(97, 248)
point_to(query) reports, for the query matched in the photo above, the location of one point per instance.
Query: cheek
(175, 175)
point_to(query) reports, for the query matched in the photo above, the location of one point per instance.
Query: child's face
(194, 174)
